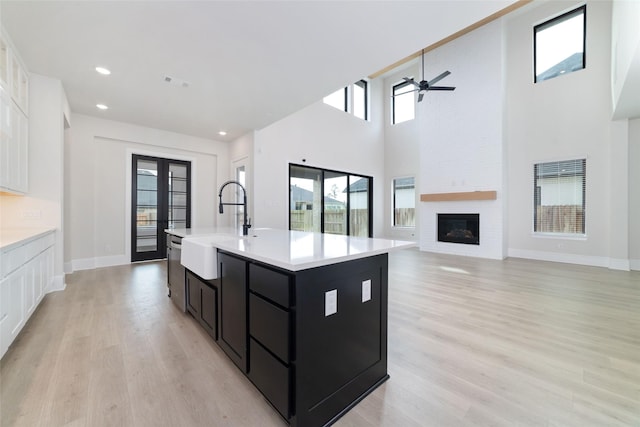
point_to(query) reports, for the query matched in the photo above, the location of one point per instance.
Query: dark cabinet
(233, 308)
(311, 358)
(202, 302)
(270, 329)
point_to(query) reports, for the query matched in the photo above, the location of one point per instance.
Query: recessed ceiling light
(103, 70)
(102, 106)
(222, 133)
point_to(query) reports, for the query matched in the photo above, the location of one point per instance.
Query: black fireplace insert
(459, 228)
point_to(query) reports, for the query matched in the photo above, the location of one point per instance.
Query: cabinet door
(22, 155)
(4, 63)
(194, 298)
(233, 309)
(15, 313)
(6, 138)
(209, 310)
(28, 285)
(4, 316)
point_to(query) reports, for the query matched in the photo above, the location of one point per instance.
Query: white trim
(57, 284)
(559, 236)
(596, 261)
(634, 264)
(91, 263)
(619, 264)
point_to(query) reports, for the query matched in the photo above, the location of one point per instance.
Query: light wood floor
(471, 342)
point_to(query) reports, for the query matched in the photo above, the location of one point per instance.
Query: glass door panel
(359, 193)
(335, 203)
(178, 195)
(305, 205)
(146, 206)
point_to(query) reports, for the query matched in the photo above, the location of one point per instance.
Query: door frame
(162, 204)
(128, 166)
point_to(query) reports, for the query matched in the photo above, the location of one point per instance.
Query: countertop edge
(311, 264)
(14, 237)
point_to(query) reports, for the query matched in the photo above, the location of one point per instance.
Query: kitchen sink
(200, 254)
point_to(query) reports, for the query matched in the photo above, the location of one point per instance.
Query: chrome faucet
(247, 223)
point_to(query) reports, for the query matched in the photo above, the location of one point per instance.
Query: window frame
(322, 173)
(348, 100)
(365, 86)
(393, 101)
(556, 21)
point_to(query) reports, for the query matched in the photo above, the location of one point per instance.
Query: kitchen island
(303, 315)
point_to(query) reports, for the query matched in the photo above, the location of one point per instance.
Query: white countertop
(293, 250)
(15, 236)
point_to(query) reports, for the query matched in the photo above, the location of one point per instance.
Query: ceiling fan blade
(413, 82)
(420, 96)
(441, 88)
(440, 77)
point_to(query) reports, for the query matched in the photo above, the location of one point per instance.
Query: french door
(160, 199)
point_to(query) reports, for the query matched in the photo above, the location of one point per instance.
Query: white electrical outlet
(366, 290)
(330, 302)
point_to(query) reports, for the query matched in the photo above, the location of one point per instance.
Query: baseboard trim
(594, 261)
(57, 284)
(634, 264)
(98, 262)
(619, 264)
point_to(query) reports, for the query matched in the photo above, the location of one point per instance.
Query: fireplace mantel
(460, 196)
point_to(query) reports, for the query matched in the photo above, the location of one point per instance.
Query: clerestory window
(559, 45)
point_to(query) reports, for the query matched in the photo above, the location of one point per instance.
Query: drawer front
(270, 284)
(270, 376)
(270, 326)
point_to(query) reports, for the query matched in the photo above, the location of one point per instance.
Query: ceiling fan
(425, 85)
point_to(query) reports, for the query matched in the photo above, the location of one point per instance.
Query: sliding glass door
(329, 201)
(161, 198)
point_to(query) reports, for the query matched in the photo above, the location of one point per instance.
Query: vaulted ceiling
(245, 64)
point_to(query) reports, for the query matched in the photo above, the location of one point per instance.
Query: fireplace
(459, 228)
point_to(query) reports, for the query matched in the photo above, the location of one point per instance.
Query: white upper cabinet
(13, 75)
(14, 122)
(4, 64)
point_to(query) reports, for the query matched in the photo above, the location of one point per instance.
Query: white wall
(634, 193)
(241, 153)
(563, 118)
(98, 184)
(461, 139)
(43, 204)
(401, 154)
(625, 58)
(318, 136)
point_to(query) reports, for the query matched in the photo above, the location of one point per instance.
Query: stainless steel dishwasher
(176, 272)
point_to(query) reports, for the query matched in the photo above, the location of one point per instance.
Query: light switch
(330, 302)
(366, 290)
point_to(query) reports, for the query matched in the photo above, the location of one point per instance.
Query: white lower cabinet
(27, 272)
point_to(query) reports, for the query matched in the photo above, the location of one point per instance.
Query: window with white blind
(404, 202)
(559, 197)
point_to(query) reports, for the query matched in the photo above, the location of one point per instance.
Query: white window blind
(559, 197)
(404, 202)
